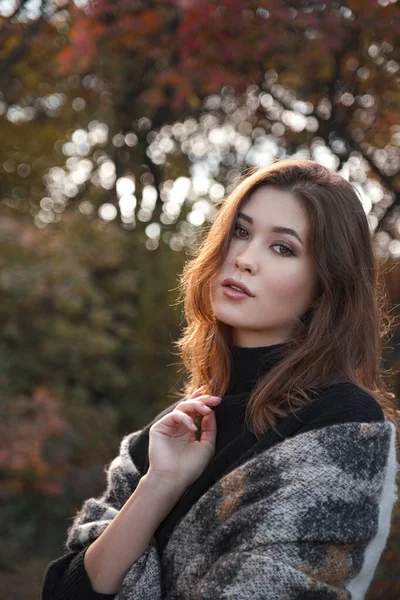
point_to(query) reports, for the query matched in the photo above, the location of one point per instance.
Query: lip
(239, 284)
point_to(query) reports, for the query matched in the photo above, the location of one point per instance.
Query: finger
(210, 399)
(184, 419)
(172, 420)
(208, 429)
(197, 392)
(205, 400)
(191, 406)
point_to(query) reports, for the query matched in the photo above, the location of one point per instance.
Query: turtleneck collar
(250, 364)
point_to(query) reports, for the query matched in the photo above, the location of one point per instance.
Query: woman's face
(275, 266)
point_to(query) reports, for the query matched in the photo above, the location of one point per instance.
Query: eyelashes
(237, 227)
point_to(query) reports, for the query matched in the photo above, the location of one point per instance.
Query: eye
(286, 248)
(237, 227)
(289, 252)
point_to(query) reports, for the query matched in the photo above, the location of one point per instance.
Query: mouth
(235, 294)
(236, 286)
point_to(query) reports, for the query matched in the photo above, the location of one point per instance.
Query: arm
(126, 496)
(311, 520)
(129, 533)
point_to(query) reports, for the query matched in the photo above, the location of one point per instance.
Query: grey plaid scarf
(306, 519)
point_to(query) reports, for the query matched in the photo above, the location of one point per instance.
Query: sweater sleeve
(66, 577)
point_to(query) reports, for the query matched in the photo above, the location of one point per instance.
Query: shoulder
(355, 400)
(341, 402)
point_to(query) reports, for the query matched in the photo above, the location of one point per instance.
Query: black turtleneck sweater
(66, 577)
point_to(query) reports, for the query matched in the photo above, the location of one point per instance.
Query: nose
(246, 262)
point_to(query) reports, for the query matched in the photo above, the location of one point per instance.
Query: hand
(175, 453)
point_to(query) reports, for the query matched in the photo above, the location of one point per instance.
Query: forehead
(270, 206)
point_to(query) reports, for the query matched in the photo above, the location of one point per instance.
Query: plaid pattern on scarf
(308, 518)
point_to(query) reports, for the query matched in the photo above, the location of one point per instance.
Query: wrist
(163, 485)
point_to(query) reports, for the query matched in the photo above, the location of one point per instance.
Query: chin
(226, 317)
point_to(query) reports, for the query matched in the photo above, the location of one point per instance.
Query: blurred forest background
(122, 123)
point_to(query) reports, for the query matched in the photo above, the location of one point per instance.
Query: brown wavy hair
(339, 339)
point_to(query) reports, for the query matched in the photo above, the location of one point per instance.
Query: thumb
(208, 429)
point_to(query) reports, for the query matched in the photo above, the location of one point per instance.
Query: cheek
(291, 285)
(215, 290)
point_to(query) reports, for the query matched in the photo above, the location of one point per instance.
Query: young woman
(276, 478)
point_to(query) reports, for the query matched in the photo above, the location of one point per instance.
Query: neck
(249, 364)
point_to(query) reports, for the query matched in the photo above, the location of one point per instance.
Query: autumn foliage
(109, 111)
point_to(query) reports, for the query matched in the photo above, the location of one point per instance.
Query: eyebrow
(275, 228)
